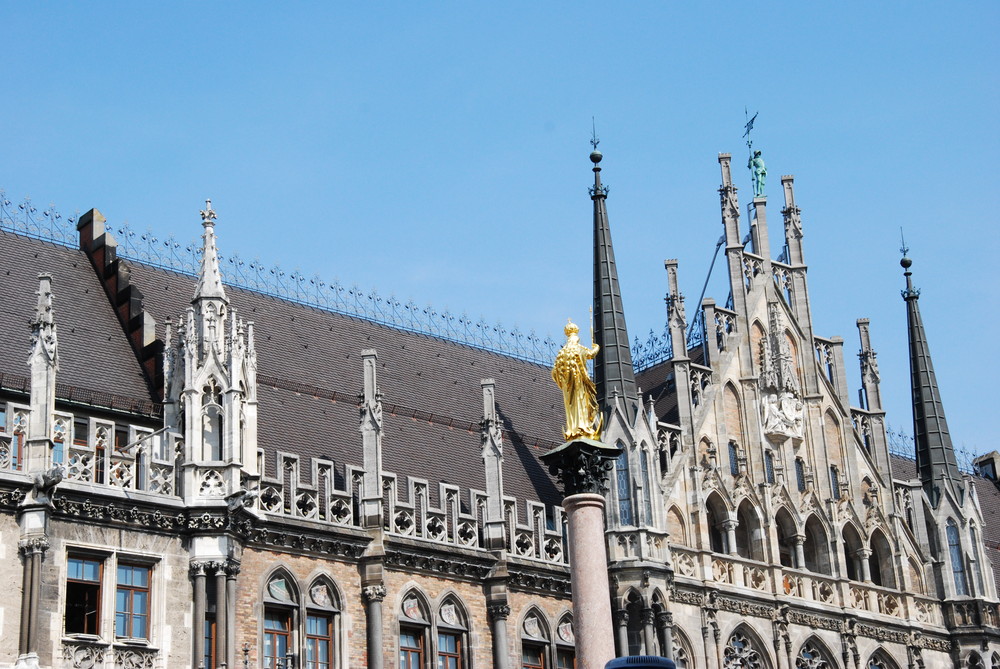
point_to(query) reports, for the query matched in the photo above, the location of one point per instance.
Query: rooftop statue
(583, 416)
(756, 166)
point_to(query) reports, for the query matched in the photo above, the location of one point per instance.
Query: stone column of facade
(373, 596)
(198, 624)
(498, 624)
(665, 623)
(583, 465)
(232, 571)
(221, 613)
(730, 527)
(621, 632)
(648, 633)
(32, 551)
(800, 552)
(866, 568)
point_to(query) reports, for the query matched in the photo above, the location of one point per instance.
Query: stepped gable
(94, 353)
(310, 374)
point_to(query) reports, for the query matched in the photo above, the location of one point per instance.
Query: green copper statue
(756, 166)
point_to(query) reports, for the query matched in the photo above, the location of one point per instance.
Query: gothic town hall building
(198, 472)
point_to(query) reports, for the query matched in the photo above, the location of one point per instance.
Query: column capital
(729, 525)
(621, 617)
(863, 553)
(373, 593)
(664, 619)
(32, 545)
(648, 616)
(232, 568)
(498, 611)
(582, 465)
(798, 539)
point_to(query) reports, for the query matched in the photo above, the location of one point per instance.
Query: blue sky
(439, 151)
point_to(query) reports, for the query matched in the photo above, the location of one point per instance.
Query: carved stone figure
(583, 416)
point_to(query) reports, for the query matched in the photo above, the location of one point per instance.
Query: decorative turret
(492, 443)
(44, 363)
(210, 375)
(936, 464)
(370, 426)
(613, 372)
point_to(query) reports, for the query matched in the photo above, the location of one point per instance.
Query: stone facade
(192, 482)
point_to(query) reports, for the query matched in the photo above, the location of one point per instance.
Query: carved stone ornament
(582, 465)
(498, 611)
(278, 588)
(33, 545)
(781, 406)
(411, 608)
(320, 594)
(83, 655)
(565, 631)
(532, 628)
(373, 593)
(134, 658)
(449, 614)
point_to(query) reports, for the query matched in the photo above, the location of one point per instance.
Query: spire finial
(904, 250)
(208, 214)
(595, 155)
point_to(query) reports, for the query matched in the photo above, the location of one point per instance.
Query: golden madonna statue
(583, 416)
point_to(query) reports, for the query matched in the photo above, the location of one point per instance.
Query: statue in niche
(759, 171)
(583, 415)
(781, 403)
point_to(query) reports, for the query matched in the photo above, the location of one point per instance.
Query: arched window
(880, 562)
(676, 527)
(682, 650)
(974, 661)
(812, 655)
(957, 559)
(734, 459)
(716, 515)
(280, 604)
(624, 487)
(212, 421)
(414, 629)
(835, 481)
(995, 662)
(565, 643)
(879, 660)
(534, 641)
(452, 635)
(786, 537)
(741, 653)
(816, 549)
(749, 534)
(322, 610)
(768, 466)
(852, 552)
(633, 607)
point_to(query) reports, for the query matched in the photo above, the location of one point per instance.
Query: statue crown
(571, 328)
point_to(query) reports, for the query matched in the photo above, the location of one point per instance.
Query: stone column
(730, 527)
(621, 632)
(221, 613)
(198, 633)
(665, 623)
(866, 568)
(583, 465)
(232, 570)
(498, 621)
(32, 550)
(800, 553)
(648, 633)
(373, 596)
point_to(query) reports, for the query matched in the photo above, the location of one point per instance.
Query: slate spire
(935, 453)
(613, 372)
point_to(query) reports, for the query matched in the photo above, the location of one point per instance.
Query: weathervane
(593, 136)
(903, 248)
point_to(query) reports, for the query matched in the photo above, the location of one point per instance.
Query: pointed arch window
(957, 558)
(414, 628)
(769, 467)
(976, 562)
(741, 654)
(624, 487)
(321, 625)
(734, 459)
(452, 635)
(534, 642)
(280, 602)
(810, 657)
(212, 421)
(565, 643)
(800, 474)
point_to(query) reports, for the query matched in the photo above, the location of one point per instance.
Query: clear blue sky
(439, 151)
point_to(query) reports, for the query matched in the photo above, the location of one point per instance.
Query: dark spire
(934, 451)
(613, 373)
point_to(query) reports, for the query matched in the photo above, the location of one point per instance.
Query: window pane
(447, 643)
(138, 627)
(140, 602)
(75, 569)
(121, 624)
(121, 601)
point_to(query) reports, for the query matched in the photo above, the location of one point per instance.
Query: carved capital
(648, 616)
(582, 465)
(33, 545)
(621, 617)
(232, 568)
(664, 619)
(373, 593)
(498, 611)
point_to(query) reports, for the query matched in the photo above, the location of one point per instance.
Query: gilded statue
(583, 416)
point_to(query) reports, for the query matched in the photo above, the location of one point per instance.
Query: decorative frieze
(814, 621)
(745, 608)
